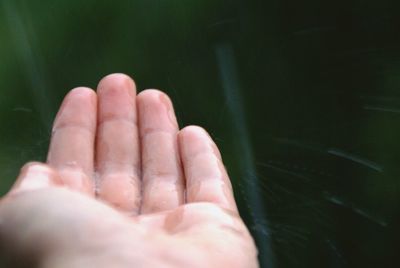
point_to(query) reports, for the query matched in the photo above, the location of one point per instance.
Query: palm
(170, 183)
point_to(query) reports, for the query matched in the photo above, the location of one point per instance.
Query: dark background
(303, 97)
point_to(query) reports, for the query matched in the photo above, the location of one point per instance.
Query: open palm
(124, 187)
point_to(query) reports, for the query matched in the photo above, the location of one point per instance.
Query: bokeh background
(303, 97)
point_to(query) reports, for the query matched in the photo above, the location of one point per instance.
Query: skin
(123, 186)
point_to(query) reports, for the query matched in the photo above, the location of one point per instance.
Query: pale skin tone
(123, 186)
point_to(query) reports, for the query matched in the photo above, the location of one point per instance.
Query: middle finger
(117, 157)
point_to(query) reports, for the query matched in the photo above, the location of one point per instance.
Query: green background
(303, 97)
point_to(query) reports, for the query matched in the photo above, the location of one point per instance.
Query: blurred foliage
(319, 85)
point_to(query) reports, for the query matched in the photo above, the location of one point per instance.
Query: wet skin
(123, 186)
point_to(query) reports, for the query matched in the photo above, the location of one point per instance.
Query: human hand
(124, 187)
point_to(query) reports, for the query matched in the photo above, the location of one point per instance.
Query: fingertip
(116, 81)
(35, 175)
(35, 167)
(156, 111)
(79, 98)
(154, 97)
(196, 137)
(193, 131)
(153, 94)
(116, 98)
(82, 91)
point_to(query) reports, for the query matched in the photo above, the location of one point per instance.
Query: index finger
(206, 177)
(71, 149)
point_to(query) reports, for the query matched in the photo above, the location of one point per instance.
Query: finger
(117, 157)
(72, 142)
(206, 177)
(35, 176)
(162, 172)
